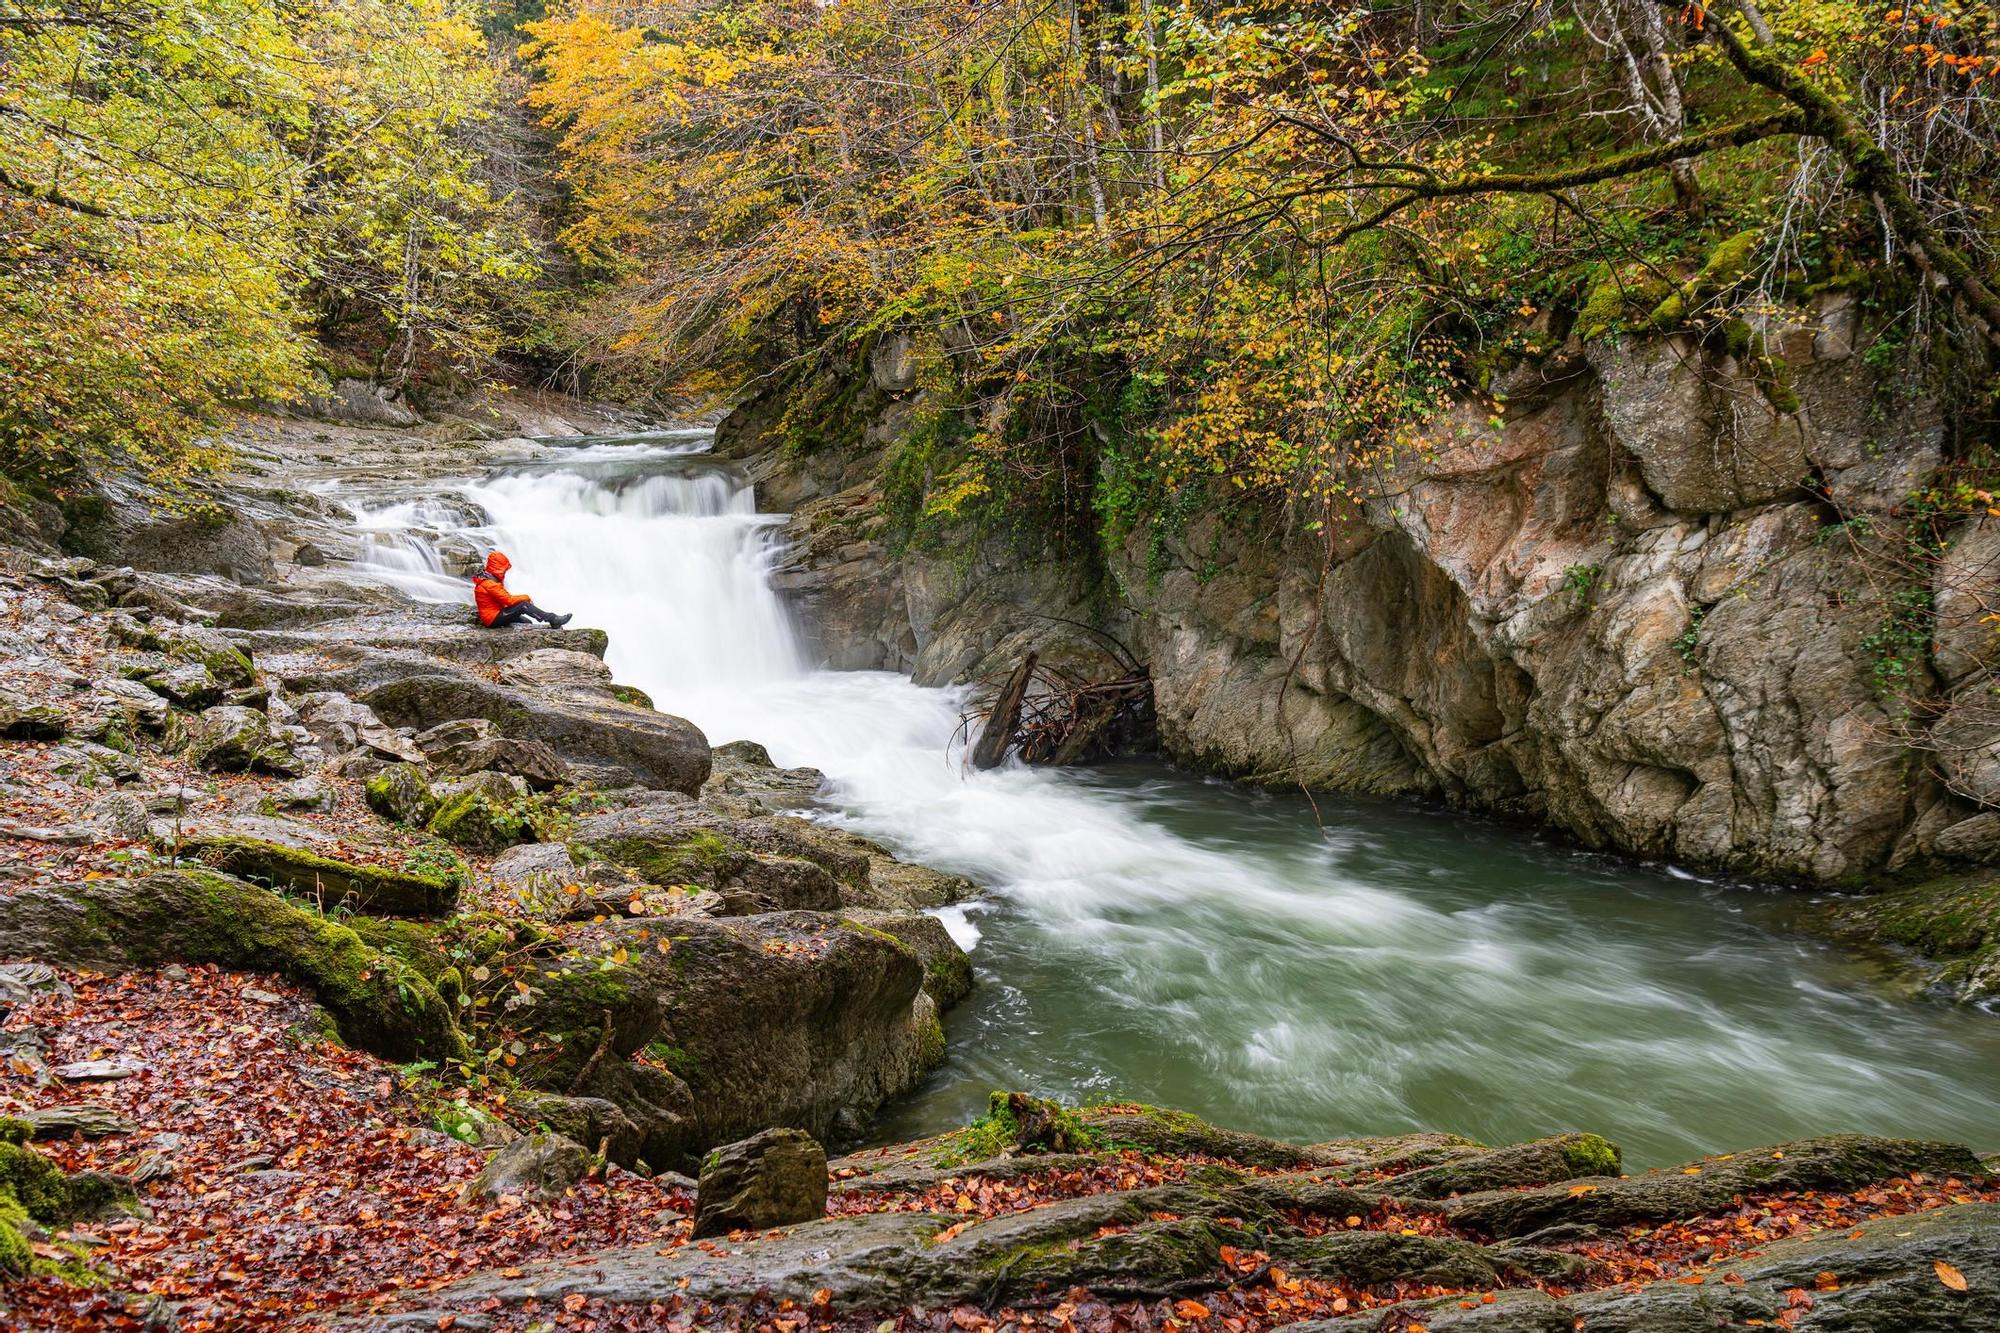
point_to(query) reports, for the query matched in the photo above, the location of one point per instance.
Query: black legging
(521, 611)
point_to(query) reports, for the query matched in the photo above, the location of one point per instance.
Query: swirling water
(1147, 935)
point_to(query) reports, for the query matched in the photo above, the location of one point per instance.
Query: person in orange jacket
(499, 608)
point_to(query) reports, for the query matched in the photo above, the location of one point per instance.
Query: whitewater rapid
(1149, 936)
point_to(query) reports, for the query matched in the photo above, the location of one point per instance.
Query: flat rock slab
(62, 1122)
(654, 749)
(98, 1071)
(1839, 1162)
(1885, 1281)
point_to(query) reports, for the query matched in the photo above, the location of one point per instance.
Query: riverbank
(282, 805)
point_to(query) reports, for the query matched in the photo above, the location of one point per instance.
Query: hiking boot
(558, 622)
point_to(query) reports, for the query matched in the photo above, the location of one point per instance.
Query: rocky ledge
(472, 849)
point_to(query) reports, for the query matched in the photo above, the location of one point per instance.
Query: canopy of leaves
(1154, 244)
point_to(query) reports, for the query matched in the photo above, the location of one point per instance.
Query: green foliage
(1581, 581)
(1017, 1123)
(1688, 641)
(191, 186)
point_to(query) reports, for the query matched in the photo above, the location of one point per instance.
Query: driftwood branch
(1049, 716)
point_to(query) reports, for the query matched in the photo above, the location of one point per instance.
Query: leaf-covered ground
(305, 1176)
(308, 1182)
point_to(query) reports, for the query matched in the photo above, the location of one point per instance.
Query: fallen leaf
(1950, 1276)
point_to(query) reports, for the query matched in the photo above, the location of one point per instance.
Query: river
(1147, 935)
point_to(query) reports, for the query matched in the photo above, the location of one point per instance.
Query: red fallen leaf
(1827, 1282)
(1191, 1310)
(574, 1301)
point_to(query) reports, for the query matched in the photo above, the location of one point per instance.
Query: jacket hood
(498, 564)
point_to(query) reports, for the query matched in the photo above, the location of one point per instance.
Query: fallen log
(990, 751)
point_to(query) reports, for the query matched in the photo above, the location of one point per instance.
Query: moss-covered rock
(324, 881)
(1723, 269)
(488, 814)
(382, 1004)
(23, 719)
(1951, 925)
(1016, 1122)
(947, 968)
(54, 1198)
(1542, 1162)
(1177, 1134)
(1839, 1162)
(1618, 296)
(234, 739)
(402, 795)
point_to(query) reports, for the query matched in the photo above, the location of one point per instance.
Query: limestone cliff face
(1642, 604)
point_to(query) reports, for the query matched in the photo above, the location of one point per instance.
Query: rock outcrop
(1638, 602)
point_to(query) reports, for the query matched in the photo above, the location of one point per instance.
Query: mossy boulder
(1016, 1123)
(1618, 296)
(22, 719)
(1723, 269)
(1158, 1130)
(324, 881)
(731, 1025)
(1542, 1162)
(487, 813)
(35, 1193)
(947, 968)
(757, 864)
(380, 1003)
(53, 1197)
(1839, 1162)
(230, 738)
(402, 795)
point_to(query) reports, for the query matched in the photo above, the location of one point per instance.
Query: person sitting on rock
(499, 608)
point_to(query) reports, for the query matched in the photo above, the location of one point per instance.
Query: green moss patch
(1950, 923)
(1018, 1123)
(327, 882)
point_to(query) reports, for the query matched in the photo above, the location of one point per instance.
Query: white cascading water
(1154, 937)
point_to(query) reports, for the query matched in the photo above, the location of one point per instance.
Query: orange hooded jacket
(489, 589)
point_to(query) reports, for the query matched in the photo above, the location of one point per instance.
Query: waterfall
(1147, 935)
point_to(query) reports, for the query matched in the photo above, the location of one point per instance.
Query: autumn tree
(188, 186)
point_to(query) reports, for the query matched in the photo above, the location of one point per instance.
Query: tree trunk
(1156, 139)
(990, 750)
